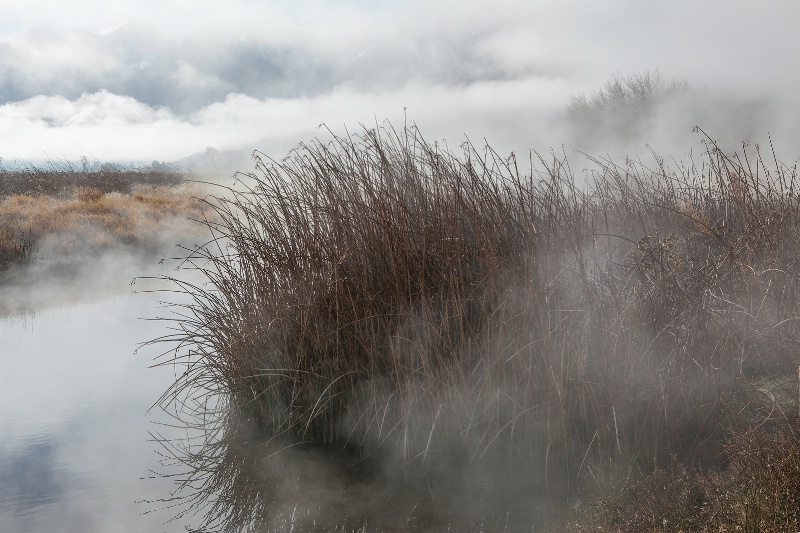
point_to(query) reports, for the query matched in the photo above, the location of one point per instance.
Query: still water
(75, 398)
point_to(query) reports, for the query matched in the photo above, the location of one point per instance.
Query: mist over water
(74, 400)
(77, 451)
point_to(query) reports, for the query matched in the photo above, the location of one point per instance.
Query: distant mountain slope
(213, 161)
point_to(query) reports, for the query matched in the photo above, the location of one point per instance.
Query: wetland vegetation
(397, 336)
(99, 209)
(61, 224)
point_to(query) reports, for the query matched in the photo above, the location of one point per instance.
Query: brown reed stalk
(433, 312)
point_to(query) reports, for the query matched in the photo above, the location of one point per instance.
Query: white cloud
(52, 49)
(497, 70)
(193, 81)
(96, 109)
(113, 127)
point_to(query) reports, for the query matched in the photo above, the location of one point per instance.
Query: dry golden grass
(88, 220)
(15, 247)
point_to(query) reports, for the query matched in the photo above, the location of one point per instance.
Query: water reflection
(74, 400)
(240, 477)
(30, 476)
(76, 453)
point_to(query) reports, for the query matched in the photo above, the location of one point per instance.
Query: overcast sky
(144, 80)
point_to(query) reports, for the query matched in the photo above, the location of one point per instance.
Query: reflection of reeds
(446, 318)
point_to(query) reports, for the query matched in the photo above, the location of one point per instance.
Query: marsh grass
(476, 337)
(756, 492)
(16, 248)
(84, 222)
(60, 179)
(96, 210)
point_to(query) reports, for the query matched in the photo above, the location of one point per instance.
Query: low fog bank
(82, 279)
(537, 116)
(97, 246)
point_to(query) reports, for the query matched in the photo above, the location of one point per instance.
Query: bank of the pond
(61, 225)
(758, 491)
(87, 221)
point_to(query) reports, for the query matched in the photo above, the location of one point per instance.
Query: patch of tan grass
(15, 247)
(89, 220)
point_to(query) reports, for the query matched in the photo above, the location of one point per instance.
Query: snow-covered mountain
(213, 161)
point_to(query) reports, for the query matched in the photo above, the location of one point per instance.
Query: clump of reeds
(438, 313)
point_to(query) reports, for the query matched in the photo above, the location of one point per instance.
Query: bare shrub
(622, 107)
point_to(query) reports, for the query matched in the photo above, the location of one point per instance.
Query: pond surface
(77, 392)
(75, 452)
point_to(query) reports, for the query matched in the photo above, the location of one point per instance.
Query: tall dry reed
(438, 313)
